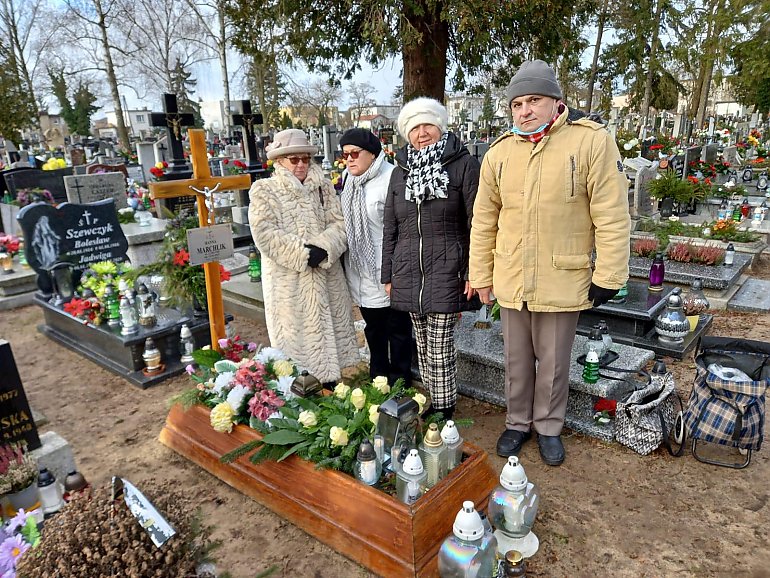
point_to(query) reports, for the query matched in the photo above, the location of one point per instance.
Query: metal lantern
(398, 426)
(145, 303)
(305, 385)
(151, 357)
(186, 344)
(512, 509)
(672, 325)
(128, 321)
(61, 275)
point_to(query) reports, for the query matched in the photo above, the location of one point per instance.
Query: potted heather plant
(18, 474)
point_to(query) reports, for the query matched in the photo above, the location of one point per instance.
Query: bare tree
(316, 94)
(359, 96)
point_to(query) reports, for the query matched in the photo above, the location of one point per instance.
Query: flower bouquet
(17, 536)
(26, 197)
(235, 167)
(18, 469)
(54, 163)
(159, 170)
(89, 310)
(101, 274)
(9, 244)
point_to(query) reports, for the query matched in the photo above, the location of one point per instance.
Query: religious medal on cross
(173, 121)
(201, 183)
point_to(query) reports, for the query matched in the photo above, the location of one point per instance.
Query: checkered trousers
(436, 356)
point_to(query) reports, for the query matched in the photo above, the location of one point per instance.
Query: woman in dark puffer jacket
(428, 214)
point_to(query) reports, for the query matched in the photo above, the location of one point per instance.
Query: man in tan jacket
(551, 191)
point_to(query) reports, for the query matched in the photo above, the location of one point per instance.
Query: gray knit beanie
(533, 77)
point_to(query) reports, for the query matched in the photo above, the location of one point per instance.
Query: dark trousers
(389, 335)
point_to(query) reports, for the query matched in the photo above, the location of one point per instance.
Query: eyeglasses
(352, 154)
(296, 160)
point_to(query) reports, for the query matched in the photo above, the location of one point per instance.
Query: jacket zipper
(422, 270)
(572, 175)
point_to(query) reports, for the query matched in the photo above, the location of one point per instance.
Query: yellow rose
(158, 165)
(358, 398)
(338, 436)
(420, 399)
(307, 418)
(381, 384)
(283, 367)
(222, 417)
(374, 413)
(341, 390)
(270, 162)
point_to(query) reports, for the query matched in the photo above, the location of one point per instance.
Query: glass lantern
(112, 306)
(512, 508)
(398, 426)
(145, 303)
(186, 344)
(454, 444)
(151, 357)
(433, 453)
(6, 262)
(255, 267)
(410, 480)
(672, 325)
(469, 551)
(367, 468)
(128, 320)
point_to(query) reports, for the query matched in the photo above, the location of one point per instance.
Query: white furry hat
(422, 111)
(289, 141)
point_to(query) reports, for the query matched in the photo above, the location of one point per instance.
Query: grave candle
(729, 255)
(112, 306)
(186, 344)
(657, 272)
(367, 468)
(127, 318)
(434, 456)
(6, 261)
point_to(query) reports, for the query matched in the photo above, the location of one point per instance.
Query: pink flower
(252, 346)
(251, 375)
(190, 369)
(223, 343)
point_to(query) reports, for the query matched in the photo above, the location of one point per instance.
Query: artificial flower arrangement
(255, 391)
(26, 197)
(159, 169)
(235, 167)
(18, 469)
(54, 163)
(338, 168)
(269, 166)
(17, 536)
(183, 282)
(87, 309)
(9, 244)
(103, 273)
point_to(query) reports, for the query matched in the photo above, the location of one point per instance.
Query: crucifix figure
(173, 121)
(201, 182)
(247, 120)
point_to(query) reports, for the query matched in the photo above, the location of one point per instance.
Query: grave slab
(244, 298)
(144, 243)
(718, 277)
(236, 264)
(753, 296)
(90, 188)
(481, 373)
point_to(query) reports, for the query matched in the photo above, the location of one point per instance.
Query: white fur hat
(289, 141)
(422, 111)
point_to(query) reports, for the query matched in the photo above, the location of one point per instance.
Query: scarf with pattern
(427, 178)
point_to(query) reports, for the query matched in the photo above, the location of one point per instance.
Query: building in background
(137, 122)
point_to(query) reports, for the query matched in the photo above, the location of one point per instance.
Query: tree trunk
(425, 62)
(651, 65)
(222, 49)
(112, 80)
(714, 31)
(597, 51)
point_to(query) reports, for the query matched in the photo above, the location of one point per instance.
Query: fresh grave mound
(99, 538)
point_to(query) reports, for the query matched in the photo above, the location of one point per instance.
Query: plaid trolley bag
(728, 412)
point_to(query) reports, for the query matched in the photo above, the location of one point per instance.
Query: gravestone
(77, 157)
(690, 155)
(710, 153)
(136, 173)
(678, 165)
(677, 131)
(730, 155)
(16, 423)
(173, 122)
(73, 233)
(232, 151)
(160, 151)
(53, 181)
(642, 206)
(246, 120)
(145, 154)
(331, 139)
(97, 187)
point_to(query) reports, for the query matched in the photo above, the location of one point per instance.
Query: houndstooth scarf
(353, 201)
(427, 178)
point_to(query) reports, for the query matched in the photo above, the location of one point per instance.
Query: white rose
(338, 436)
(307, 418)
(420, 399)
(380, 383)
(374, 413)
(358, 398)
(341, 390)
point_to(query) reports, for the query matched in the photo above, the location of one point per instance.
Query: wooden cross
(173, 121)
(201, 180)
(247, 120)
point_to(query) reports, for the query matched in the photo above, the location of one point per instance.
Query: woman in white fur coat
(297, 225)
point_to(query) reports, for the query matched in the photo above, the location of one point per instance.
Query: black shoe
(510, 442)
(551, 449)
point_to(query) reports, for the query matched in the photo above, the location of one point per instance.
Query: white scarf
(353, 200)
(427, 178)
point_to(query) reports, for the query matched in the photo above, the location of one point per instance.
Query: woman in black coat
(425, 244)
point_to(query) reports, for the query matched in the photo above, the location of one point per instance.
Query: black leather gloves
(316, 255)
(600, 295)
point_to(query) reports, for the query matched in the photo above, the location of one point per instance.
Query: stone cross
(247, 120)
(173, 121)
(201, 181)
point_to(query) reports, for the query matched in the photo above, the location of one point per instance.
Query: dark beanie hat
(361, 138)
(533, 77)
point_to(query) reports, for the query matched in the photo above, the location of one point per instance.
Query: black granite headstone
(37, 179)
(16, 423)
(78, 234)
(678, 165)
